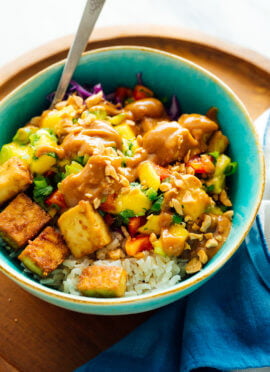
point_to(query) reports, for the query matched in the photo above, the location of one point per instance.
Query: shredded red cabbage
(174, 110)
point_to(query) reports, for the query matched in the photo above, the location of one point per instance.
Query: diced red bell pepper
(140, 92)
(162, 172)
(122, 93)
(135, 223)
(56, 198)
(202, 164)
(109, 204)
(138, 244)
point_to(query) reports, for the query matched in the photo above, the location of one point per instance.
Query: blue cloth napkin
(223, 325)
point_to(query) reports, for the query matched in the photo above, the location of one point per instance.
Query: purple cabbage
(174, 110)
(76, 87)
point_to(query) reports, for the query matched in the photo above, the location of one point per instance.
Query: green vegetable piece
(217, 182)
(128, 147)
(43, 137)
(81, 159)
(73, 168)
(12, 150)
(177, 218)
(156, 207)
(231, 168)
(215, 155)
(123, 217)
(42, 189)
(151, 194)
(22, 135)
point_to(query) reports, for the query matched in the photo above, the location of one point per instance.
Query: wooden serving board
(36, 336)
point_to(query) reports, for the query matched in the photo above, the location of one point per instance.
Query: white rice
(146, 274)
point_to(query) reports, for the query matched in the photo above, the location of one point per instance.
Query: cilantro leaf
(156, 207)
(42, 189)
(214, 154)
(123, 217)
(231, 168)
(177, 218)
(151, 194)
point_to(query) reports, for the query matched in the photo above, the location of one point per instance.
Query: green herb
(128, 147)
(81, 159)
(102, 213)
(151, 194)
(223, 208)
(209, 188)
(123, 217)
(74, 120)
(214, 154)
(177, 218)
(231, 168)
(42, 189)
(52, 154)
(58, 177)
(156, 207)
(123, 164)
(103, 199)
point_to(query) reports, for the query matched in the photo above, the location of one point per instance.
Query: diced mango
(158, 249)
(52, 119)
(135, 200)
(103, 281)
(218, 142)
(173, 240)
(148, 175)
(83, 229)
(42, 164)
(218, 180)
(152, 225)
(126, 131)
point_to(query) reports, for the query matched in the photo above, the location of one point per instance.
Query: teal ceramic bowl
(197, 90)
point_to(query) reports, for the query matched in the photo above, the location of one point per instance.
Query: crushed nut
(202, 256)
(76, 102)
(193, 236)
(60, 105)
(187, 247)
(190, 170)
(111, 172)
(206, 223)
(165, 186)
(208, 235)
(229, 214)
(195, 227)
(94, 99)
(152, 237)
(96, 203)
(124, 181)
(193, 266)
(116, 254)
(178, 183)
(223, 197)
(125, 232)
(211, 243)
(188, 218)
(177, 206)
(219, 238)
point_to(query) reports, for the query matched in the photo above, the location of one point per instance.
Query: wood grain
(36, 336)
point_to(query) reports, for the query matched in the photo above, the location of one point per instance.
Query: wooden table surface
(36, 336)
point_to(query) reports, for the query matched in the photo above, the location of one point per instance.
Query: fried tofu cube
(21, 220)
(83, 229)
(14, 178)
(45, 253)
(103, 281)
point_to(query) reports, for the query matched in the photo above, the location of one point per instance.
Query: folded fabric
(224, 325)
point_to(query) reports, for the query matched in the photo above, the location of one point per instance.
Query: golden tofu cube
(83, 229)
(45, 253)
(14, 178)
(21, 220)
(103, 281)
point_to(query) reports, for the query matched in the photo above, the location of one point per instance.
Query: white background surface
(26, 24)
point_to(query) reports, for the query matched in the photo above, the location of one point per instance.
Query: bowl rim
(199, 277)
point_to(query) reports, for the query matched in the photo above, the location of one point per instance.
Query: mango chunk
(148, 175)
(126, 131)
(103, 281)
(152, 225)
(173, 240)
(135, 200)
(45, 253)
(83, 229)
